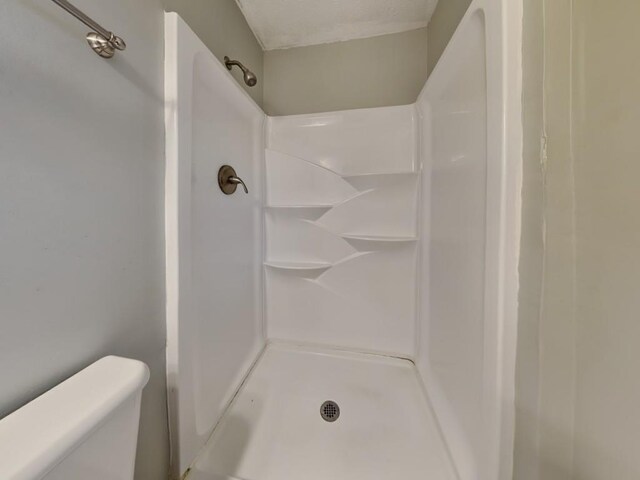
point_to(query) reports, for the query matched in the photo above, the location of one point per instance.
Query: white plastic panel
(469, 236)
(293, 238)
(365, 302)
(343, 274)
(292, 181)
(273, 430)
(387, 209)
(214, 247)
(354, 142)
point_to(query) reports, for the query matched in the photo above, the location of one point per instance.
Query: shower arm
(230, 63)
(249, 77)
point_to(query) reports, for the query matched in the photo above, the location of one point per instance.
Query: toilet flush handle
(228, 181)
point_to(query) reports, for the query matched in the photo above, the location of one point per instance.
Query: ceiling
(294, 23)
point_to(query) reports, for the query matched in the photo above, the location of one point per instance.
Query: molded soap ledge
(300, 207)
(384, 174)
(378, 238)
(386, 211)
(302, 266)
(311, 266)
(291, 238)
(319, 205)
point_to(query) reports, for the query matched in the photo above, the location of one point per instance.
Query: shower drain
(329, 411)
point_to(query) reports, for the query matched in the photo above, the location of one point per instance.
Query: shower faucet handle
(238, 181)
(228, 181)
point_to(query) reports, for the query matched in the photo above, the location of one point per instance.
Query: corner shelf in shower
(408, 173)
(379, 238)
(319, 206)
(298, 266)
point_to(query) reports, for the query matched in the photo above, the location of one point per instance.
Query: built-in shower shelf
(303, 266)
(381, 175)
(325, 206)
(379, 238)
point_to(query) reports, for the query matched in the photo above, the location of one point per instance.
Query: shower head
(249, 77)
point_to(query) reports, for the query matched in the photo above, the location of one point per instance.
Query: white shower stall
(373, 264)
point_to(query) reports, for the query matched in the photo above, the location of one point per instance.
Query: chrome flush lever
(228, 181)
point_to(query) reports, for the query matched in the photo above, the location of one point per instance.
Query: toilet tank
(84, 428)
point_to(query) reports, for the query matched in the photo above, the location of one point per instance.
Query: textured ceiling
(293, 23)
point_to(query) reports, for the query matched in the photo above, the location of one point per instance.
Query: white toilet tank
(85, 428)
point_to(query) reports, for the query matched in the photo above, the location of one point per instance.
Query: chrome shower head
(249, 77)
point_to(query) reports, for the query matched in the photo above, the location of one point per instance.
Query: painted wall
(222, 27)
(584, 105)
(81, 204)
(546, 359)
(444, 22)
(374, 72)
(606, 113)
(532, 246)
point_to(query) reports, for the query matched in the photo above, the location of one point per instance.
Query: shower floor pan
(274, 429)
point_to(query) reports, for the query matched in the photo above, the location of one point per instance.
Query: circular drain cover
(330, 411)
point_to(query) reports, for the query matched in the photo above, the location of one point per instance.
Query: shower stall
(353, 315)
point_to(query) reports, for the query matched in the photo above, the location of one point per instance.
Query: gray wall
(547, 334)
(372, 72)
(81, 204)
(531, 249)
(444, 22)
(222, 27)
(606, 113)
(580, 242)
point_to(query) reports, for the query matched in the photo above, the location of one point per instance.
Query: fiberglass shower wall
(341, 229)
(344, 193)
(213, 241)
(471, 152)
(389, 230)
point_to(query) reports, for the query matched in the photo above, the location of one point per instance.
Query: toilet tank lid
(36, 437)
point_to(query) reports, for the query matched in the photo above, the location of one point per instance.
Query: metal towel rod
(101, 40)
